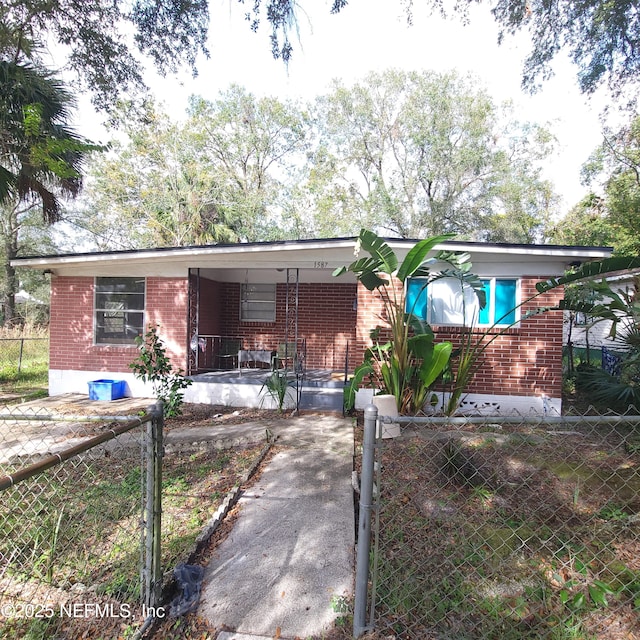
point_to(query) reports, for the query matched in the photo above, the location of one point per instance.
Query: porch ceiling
(268, 276)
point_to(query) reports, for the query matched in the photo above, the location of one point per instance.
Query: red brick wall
(527, 360)
(71, 326)
(209, 321)
(326, 321)
(167, 306)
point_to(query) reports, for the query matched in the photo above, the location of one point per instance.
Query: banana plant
(409, 362)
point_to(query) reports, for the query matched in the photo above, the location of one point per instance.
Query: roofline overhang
(179, 254)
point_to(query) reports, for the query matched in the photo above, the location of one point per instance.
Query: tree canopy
(420, 153)
(612, 218)
(40, 161)
(407, 153)
(221, 175)
(102, 38)
(601, 38)
(40, 155)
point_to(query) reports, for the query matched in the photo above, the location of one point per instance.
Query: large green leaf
(421, 346)
(371, 280)
(419, 326)
(430, 371)
(367, 271)
(379, 250)
(417, 255)
(591, 270)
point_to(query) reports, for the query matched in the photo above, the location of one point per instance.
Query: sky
(373, 35)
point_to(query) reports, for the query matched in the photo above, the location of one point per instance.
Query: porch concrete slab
(290, 552)
(79, 404)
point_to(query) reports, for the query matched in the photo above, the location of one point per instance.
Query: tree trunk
(10, 233)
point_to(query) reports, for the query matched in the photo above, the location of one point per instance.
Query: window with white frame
(258, 302)
(447, 302)
(119, 310)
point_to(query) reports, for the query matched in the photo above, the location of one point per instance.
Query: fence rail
(84, 500)
(502, 527)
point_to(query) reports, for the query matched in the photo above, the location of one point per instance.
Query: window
(119, 310)
(445, 302)
(258, 303)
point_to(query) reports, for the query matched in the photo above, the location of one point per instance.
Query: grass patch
(81, 521)
(24, 363)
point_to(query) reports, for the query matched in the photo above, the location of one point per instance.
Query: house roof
(316, 258)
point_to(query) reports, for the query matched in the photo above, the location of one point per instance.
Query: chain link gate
(505, 527)
(79, 515)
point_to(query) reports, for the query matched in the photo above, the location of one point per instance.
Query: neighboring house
(586, 336)
(583, 330)
(212, 301)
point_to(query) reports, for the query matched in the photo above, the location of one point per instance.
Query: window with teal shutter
(417, 298)
(501, 295)
(484, 317)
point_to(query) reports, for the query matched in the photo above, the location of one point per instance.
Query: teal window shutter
(505, 312)
(417, 298)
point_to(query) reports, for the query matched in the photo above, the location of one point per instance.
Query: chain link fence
(504, 527)
(23, 353)
(79, 515)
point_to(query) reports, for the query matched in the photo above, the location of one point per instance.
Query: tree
(255, 146)
(601, 38)
(424, 153)
(36, 146)
(612, 218)
(170, 32)
(281, 14)
(224, 174)
(587, 224)
(40, 157)
(22, 232)
(152, 190)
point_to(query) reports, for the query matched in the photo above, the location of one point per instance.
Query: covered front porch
(270, 317)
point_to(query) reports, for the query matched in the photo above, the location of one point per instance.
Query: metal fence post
(364, 521)
(20, 356)
(152, 571)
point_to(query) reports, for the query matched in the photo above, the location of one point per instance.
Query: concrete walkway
(289, 557)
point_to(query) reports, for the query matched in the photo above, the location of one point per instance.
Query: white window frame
(258, 302)
(126, 339)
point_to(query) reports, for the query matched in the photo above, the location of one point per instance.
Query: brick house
(222, 308)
